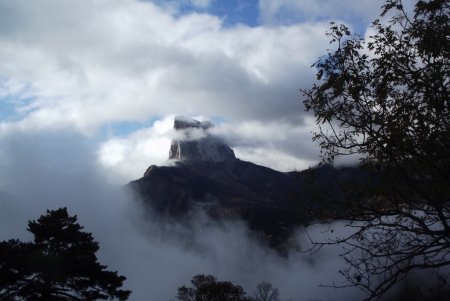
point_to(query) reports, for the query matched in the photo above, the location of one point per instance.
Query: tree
(266, 292)
(386, 100)
(60, 264)
(208, 288)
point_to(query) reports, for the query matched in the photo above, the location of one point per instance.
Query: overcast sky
(117, 72)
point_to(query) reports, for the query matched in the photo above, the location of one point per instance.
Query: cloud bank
(91, 66)
(81, 65)
(95, 67)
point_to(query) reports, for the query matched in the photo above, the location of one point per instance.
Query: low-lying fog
(39, 173)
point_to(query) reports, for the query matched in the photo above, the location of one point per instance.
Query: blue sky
(232, 12)
(117, 72)
(251, 12)
(237, 11)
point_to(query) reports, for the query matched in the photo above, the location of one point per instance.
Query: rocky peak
(197, 143)
(182, 122)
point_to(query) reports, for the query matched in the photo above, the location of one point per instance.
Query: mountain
(205, 174)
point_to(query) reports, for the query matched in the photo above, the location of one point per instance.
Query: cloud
(89, 66)
(358, 12)
(81, 65)
(275, 144)
(272, 144)
(126, 158)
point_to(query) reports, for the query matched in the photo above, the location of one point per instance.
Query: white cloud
(85, 64)
(278, 145)
(126, 158)
(273, 157)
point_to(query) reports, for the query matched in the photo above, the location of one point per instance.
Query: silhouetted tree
(208, 288)
(60, 264)
(265, 292)
(386, 99)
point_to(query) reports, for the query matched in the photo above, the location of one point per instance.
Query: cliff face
(197, 144)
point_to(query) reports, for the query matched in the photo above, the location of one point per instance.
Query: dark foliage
(386, 99)
(60, 264)
(207, 287)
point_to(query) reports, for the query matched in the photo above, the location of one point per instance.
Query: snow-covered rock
(183, 122)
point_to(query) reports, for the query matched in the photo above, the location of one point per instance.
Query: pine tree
(60, 264)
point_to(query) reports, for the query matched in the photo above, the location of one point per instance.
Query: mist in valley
(157, 256)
